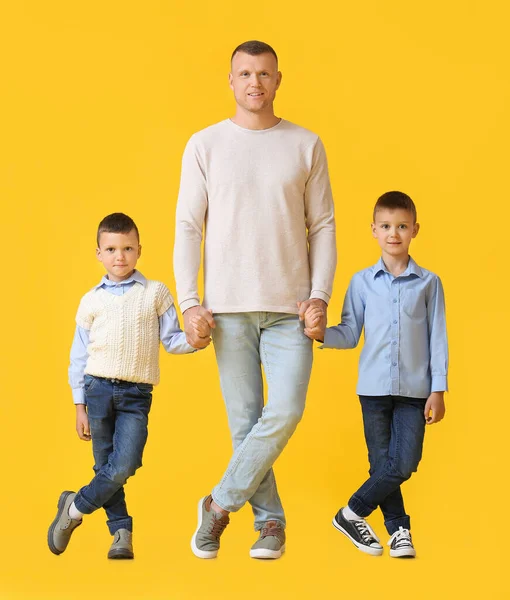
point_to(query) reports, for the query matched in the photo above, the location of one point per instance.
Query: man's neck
(396, 265)
(256, 121)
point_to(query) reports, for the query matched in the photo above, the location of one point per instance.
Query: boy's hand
(200, 326)
(82, 423)
(434, 408)
(314, 314)
(192, 337)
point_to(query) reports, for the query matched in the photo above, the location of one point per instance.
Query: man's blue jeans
(394, 432)
(243, 342)
(118, 416)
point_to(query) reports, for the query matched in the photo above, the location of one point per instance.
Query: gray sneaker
(122, 546)
(205, 542)
(271, 543)
(61, 529)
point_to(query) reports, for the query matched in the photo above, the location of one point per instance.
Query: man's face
(254, 80)
(394, 230)
(119, 253)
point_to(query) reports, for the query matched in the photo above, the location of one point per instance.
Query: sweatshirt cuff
(79, 395)
(320, 295)
(439, 383)
(188, 304)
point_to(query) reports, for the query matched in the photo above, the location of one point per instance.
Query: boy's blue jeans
(118, 416)
(394, 432)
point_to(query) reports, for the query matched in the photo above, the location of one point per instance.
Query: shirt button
(394, 364)
(394, 322)
(394, 300)
(394, 343)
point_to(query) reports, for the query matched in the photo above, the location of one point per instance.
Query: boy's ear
(98, 255)
(372, 226)
(416, 229)
(139, 250)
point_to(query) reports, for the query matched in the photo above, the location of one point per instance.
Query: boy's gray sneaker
(122, 546)
(205, 542)
(271, 543)
(401, 544)
(360, 533)
(61, 529)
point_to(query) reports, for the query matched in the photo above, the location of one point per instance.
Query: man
(260, 186)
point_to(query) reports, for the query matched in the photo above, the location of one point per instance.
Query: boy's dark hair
(394, 200)
(116, 223)
(254, 48)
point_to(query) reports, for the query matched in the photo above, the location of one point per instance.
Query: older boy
(402, 370)
(114, 366)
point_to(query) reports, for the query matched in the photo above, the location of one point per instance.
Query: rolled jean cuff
(83, 506)
(394, 524)
(126, 523)
(360, 508)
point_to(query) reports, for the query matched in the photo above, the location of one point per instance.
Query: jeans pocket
(144, 388)
(89, 382)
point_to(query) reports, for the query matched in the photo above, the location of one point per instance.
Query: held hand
(82, 423)
(434, 408)
(314, 313)
(196, 314)
(200, 326)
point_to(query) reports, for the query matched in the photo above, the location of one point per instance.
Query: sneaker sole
(120, 554)
(403, 553)
(60, 508)
(267, 553)
(365, 549)
(196, 551)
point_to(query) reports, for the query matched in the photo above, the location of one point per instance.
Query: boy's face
(394, 230)
(119, 253)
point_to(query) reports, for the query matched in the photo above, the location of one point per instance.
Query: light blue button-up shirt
(406, 349)
(170, 334)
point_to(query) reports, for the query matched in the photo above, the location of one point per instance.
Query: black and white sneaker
(360, 533)
(401, 544)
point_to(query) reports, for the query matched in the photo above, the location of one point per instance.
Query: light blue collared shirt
(170, 334)
(406, 349)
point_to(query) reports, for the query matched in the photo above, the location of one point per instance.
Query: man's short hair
(254, 48)
(395, 200)
(116, 223)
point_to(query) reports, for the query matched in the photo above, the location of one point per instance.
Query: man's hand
(434, 405)
(314, 313)
(198, 321)
(82, 423)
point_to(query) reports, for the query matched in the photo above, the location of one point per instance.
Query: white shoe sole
(365, 549)
(266, 553)
(403, 553)
(194, 548)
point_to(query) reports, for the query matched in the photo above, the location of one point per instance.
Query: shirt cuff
(188, 304)
(439, 383)
(79, 395)
(320, 295)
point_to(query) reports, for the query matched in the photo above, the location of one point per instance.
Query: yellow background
(98, 101)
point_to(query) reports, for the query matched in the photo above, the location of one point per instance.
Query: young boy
(402, 370)
(114, 366)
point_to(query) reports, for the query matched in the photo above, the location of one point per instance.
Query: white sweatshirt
(264, 197)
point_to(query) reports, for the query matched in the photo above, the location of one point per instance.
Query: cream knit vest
(124, 331)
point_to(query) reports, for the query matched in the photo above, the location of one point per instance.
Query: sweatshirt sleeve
(320, 222)
(189, 223)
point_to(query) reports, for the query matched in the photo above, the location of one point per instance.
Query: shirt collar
(412, 269)
(135, 277)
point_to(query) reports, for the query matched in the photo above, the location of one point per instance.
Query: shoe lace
(402, 538)
(218, 526)
(367, 533)
(272, 531)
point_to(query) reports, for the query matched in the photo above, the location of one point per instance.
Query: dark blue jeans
(118, 414)
(394, 432)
